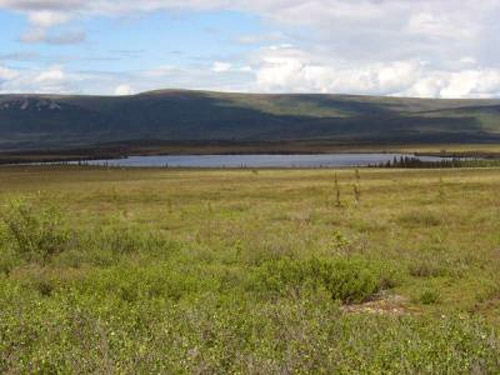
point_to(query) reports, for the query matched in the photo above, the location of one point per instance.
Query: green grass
(253, 272)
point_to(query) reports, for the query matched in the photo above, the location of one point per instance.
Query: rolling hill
(35, 122)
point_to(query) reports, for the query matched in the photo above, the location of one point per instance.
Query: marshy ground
(249, 271)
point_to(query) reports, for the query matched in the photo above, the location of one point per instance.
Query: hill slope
(51, 121)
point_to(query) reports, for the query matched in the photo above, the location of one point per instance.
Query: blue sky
(425, 48)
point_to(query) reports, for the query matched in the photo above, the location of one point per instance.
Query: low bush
(429, 297)
(8, 258)
(163, 281)
(34, 232)
(426, 268)
(94, 333)
(350, 280)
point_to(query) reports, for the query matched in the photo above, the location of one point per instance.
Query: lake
(256, 161)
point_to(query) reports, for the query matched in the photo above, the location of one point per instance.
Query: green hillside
(29, 122)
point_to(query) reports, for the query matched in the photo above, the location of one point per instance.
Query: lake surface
(256, 161)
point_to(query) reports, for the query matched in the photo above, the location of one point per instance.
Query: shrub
(429, 297)
(7, 256)
(350, 280)
(34, 233)
(425, 268)
(108, 245)
(8, 260)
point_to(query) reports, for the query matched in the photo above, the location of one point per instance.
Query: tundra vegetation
(185, 120)
(375, 271)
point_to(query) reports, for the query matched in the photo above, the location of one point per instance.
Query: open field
(249, 271)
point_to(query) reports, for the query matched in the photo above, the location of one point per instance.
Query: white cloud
(52, 75)
(41, 20)
(40, 23)
(260, 38)
(468, 60)
(293, 70)
(245, 69)
(47, 18)
(221, 67)
(42, 16)
(275, 70)
(33, 36)
(124, 89)
(68, 37)
(51, 80)
(441, 26)
(426, 87)
(430, 48)
(42, 36)
(7, 74)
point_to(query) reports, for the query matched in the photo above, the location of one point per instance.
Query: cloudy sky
(422, 48)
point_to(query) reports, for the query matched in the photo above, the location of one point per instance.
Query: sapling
(356, 189)
(338, 202)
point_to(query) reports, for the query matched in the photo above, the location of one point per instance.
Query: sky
(411, 48)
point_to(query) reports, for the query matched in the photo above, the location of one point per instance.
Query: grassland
(112, 271)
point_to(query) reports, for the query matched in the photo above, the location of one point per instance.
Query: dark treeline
(61, 160)
(415, 162)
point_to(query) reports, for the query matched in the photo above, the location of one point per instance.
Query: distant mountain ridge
(29, 122)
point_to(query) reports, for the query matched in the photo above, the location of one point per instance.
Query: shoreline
(482, 151)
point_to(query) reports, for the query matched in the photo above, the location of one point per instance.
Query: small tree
(338, 202)
(356, 188)
(35, 233)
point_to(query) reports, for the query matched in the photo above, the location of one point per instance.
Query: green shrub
(43, 285)
(429, 297)
(8, 258)
(95, 333)
(109, 245)
(35, 232)
(121, 240)
(8, 261)
(160, 281)
(350, 280)
(425, 268)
